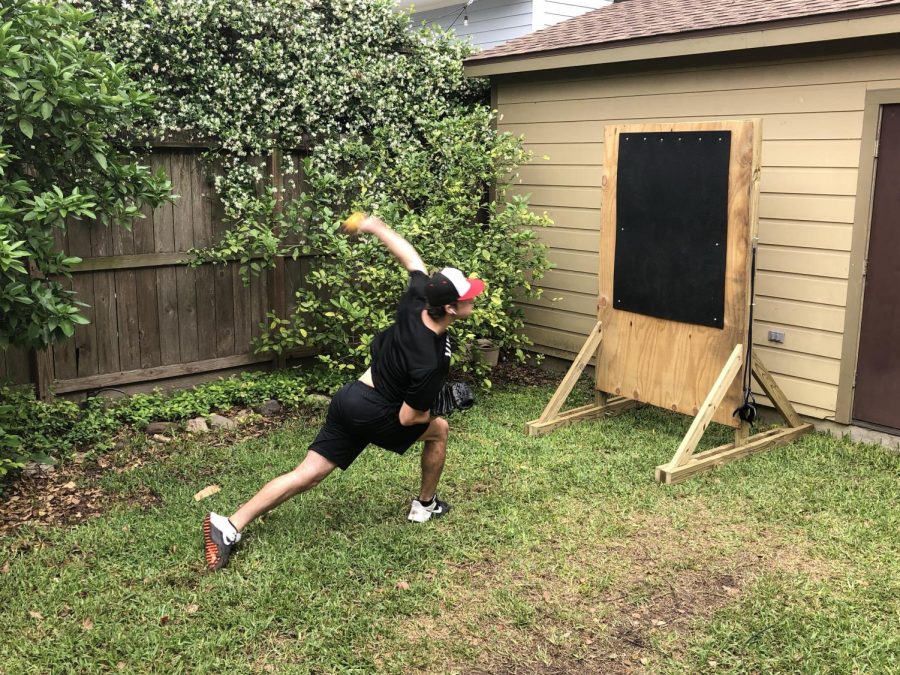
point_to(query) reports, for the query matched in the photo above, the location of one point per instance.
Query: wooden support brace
(685, 463)
(708, 409)
(592, 411)
(773, 391)
(667, 475)
(578, 365)
(551, 411)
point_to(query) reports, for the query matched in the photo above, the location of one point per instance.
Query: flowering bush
(393, 127)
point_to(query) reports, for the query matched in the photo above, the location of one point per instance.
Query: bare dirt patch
(70, 493)
(523, 374)
(666, 576)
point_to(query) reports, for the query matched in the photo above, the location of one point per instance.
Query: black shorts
(359, 415)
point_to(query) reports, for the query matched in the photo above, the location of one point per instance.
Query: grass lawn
(561, 555)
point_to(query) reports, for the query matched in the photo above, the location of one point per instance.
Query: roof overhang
(738, 39)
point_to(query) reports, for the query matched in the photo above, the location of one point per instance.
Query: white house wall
(554, 12)
(491, 22)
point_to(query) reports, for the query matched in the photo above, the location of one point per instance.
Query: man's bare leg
(309, 473)
(434, 454)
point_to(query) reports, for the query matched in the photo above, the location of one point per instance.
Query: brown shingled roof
(637, 20)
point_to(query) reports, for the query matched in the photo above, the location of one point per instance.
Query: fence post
(277, 290)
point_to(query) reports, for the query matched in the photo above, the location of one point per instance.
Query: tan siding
(836, 237)
(821, 153)
(813, 181)
(574, 261)
(570, 197)
(806, 392)
(554, 318)
(803, 314)
(564, 341)
(576, 218)
(716, 104)
(553, 154)
(571, 239)
(835, 264)
(828, 208)
(804, 340)
(811, 126)
(562, 281)
(581, 176)
(804, 366)
(812, 114)
(567, 301)
(801, 287)
(873, 67)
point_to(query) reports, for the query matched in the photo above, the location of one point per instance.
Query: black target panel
(672, 225)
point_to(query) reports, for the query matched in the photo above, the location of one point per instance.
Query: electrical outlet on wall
(776, 336)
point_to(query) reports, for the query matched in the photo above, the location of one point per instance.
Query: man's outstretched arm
(396, 244)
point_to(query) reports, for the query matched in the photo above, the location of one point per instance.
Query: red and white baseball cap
(451, 285)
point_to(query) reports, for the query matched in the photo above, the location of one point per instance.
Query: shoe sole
(214, 561)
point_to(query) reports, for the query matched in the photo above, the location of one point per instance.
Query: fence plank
(223, 287)
(242, 324)
(64, 352)
(259, 295)
(166, 284)
(86, 363)
(201, 210)
(127, 324)
(224, 310)
(147, 304)
(105, 311)
(127, 321)
(15, 366)
(182, 165)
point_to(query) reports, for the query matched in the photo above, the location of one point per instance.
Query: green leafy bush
(31, 429)
(62, 105)
(394, 128)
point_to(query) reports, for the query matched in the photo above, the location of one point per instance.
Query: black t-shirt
(410, 362)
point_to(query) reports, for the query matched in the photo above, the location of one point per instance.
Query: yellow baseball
(351, 225)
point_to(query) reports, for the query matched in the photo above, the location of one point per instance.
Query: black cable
(747, 410)
(465, 7)
(444, 16)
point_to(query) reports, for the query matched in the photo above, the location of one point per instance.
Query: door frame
(859, 251)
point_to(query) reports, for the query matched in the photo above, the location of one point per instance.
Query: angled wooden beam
(613, 406)
(667, 474)
(773, 391)
(565, 387)
(729, 371)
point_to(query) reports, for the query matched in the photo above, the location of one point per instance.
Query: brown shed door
(877, 397)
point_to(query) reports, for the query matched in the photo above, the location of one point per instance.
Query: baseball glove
(453, 396)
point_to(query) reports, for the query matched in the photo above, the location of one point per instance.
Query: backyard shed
(824, 78)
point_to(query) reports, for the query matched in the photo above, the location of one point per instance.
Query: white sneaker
(419, 513)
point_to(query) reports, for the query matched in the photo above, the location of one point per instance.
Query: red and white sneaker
(217, 541)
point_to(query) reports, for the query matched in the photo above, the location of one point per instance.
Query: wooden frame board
(665, 363)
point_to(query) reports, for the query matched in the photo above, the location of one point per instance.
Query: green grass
(561, 555)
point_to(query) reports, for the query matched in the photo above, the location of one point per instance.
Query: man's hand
(410, 416)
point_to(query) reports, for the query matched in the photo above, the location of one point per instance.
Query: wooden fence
(151, 316)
